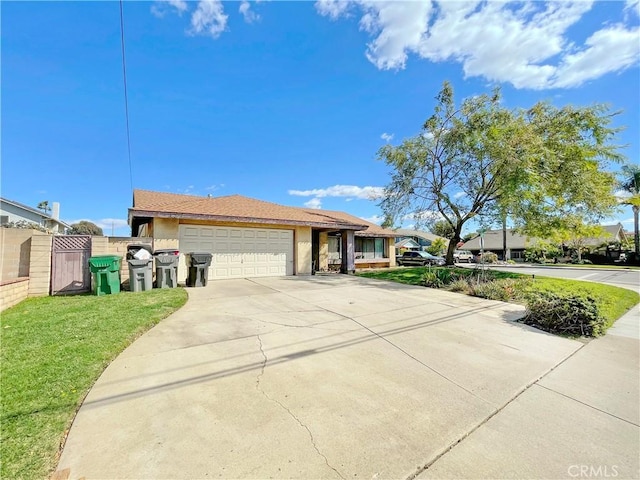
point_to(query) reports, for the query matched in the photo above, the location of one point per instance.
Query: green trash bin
(105, 270)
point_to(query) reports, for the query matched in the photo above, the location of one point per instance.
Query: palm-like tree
(631, 184)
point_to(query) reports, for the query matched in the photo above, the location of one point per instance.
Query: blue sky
(282, 101)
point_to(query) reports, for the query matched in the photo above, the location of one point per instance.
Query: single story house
(13, 212)
(252, 238)
(518, 243)
(415, 239)
(493, 242)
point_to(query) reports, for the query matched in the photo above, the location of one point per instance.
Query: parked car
(463, 256)
(419, 258)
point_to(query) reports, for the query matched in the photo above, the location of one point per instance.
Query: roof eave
(228, 218)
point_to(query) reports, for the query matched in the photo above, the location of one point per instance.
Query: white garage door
(239, 252)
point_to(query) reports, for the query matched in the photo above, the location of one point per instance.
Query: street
(620, 278)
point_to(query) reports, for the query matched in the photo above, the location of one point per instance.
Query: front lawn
(612, 301)
(53, 351)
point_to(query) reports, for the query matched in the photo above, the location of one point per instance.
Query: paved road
(620, 278)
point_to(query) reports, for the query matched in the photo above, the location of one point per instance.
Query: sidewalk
(581, 420)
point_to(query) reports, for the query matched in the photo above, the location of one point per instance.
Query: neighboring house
(518, 243)
(613, 233)
(407, 244)
(493, 242)
(415, 239)
(11, 212)
(252, 238)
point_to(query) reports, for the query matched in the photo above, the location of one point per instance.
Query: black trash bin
(198, 263)
(166, 267)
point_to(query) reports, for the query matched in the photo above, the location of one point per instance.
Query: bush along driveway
(53, 350)
(568, 307)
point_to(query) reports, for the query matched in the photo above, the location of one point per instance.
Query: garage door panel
(240, 252)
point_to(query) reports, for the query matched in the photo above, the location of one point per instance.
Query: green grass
(53, 351)
(612, 301)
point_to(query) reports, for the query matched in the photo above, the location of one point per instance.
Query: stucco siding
(302, 250)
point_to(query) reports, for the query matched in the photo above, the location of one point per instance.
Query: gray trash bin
(198, 263)
(140, 274)
(166, 268)
(134, 248)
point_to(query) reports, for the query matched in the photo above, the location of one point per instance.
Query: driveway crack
(284, 407)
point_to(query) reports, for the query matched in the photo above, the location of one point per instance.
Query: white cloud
(523, 43)
(332, 8)
(249, 15)
(365, 193)
(209, 19)
(632, 6)
(314, 203)
(377, 219)
(459, 195)
(627, 221)
(596, 59)
(161, 7)
(421, 217)
(387, 137)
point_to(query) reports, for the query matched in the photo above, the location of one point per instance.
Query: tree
(567, 175)
(85, 227)
(442, 228)
(631, 185)
(577, 235)
(482, 159)
(44, 206)
(437, 247)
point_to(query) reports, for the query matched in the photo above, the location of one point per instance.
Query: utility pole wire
(126, 97)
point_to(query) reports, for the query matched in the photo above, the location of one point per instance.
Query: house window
(4, 219)
(335, 249)
(367, 248)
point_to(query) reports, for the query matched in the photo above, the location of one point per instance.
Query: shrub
(504, 290)
(565, 313)
(461, 285)
(439, 277)
(26, 225)
(488, 257)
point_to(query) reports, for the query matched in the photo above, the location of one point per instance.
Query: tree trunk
(636, 233)
(453, 244)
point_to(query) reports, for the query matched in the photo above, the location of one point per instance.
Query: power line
(126, 97)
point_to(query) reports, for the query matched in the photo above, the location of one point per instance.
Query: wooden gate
(70, 264)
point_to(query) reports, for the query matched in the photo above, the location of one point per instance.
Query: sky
(287, 102)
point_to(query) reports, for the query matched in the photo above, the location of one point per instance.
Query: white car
(463, 256)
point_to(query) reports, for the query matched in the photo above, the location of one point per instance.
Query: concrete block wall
(15, 244)
(13, 292)
(40, 264)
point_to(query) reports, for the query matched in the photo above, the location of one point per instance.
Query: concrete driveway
(309, 377)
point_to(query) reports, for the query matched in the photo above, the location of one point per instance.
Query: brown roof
(244, 209)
